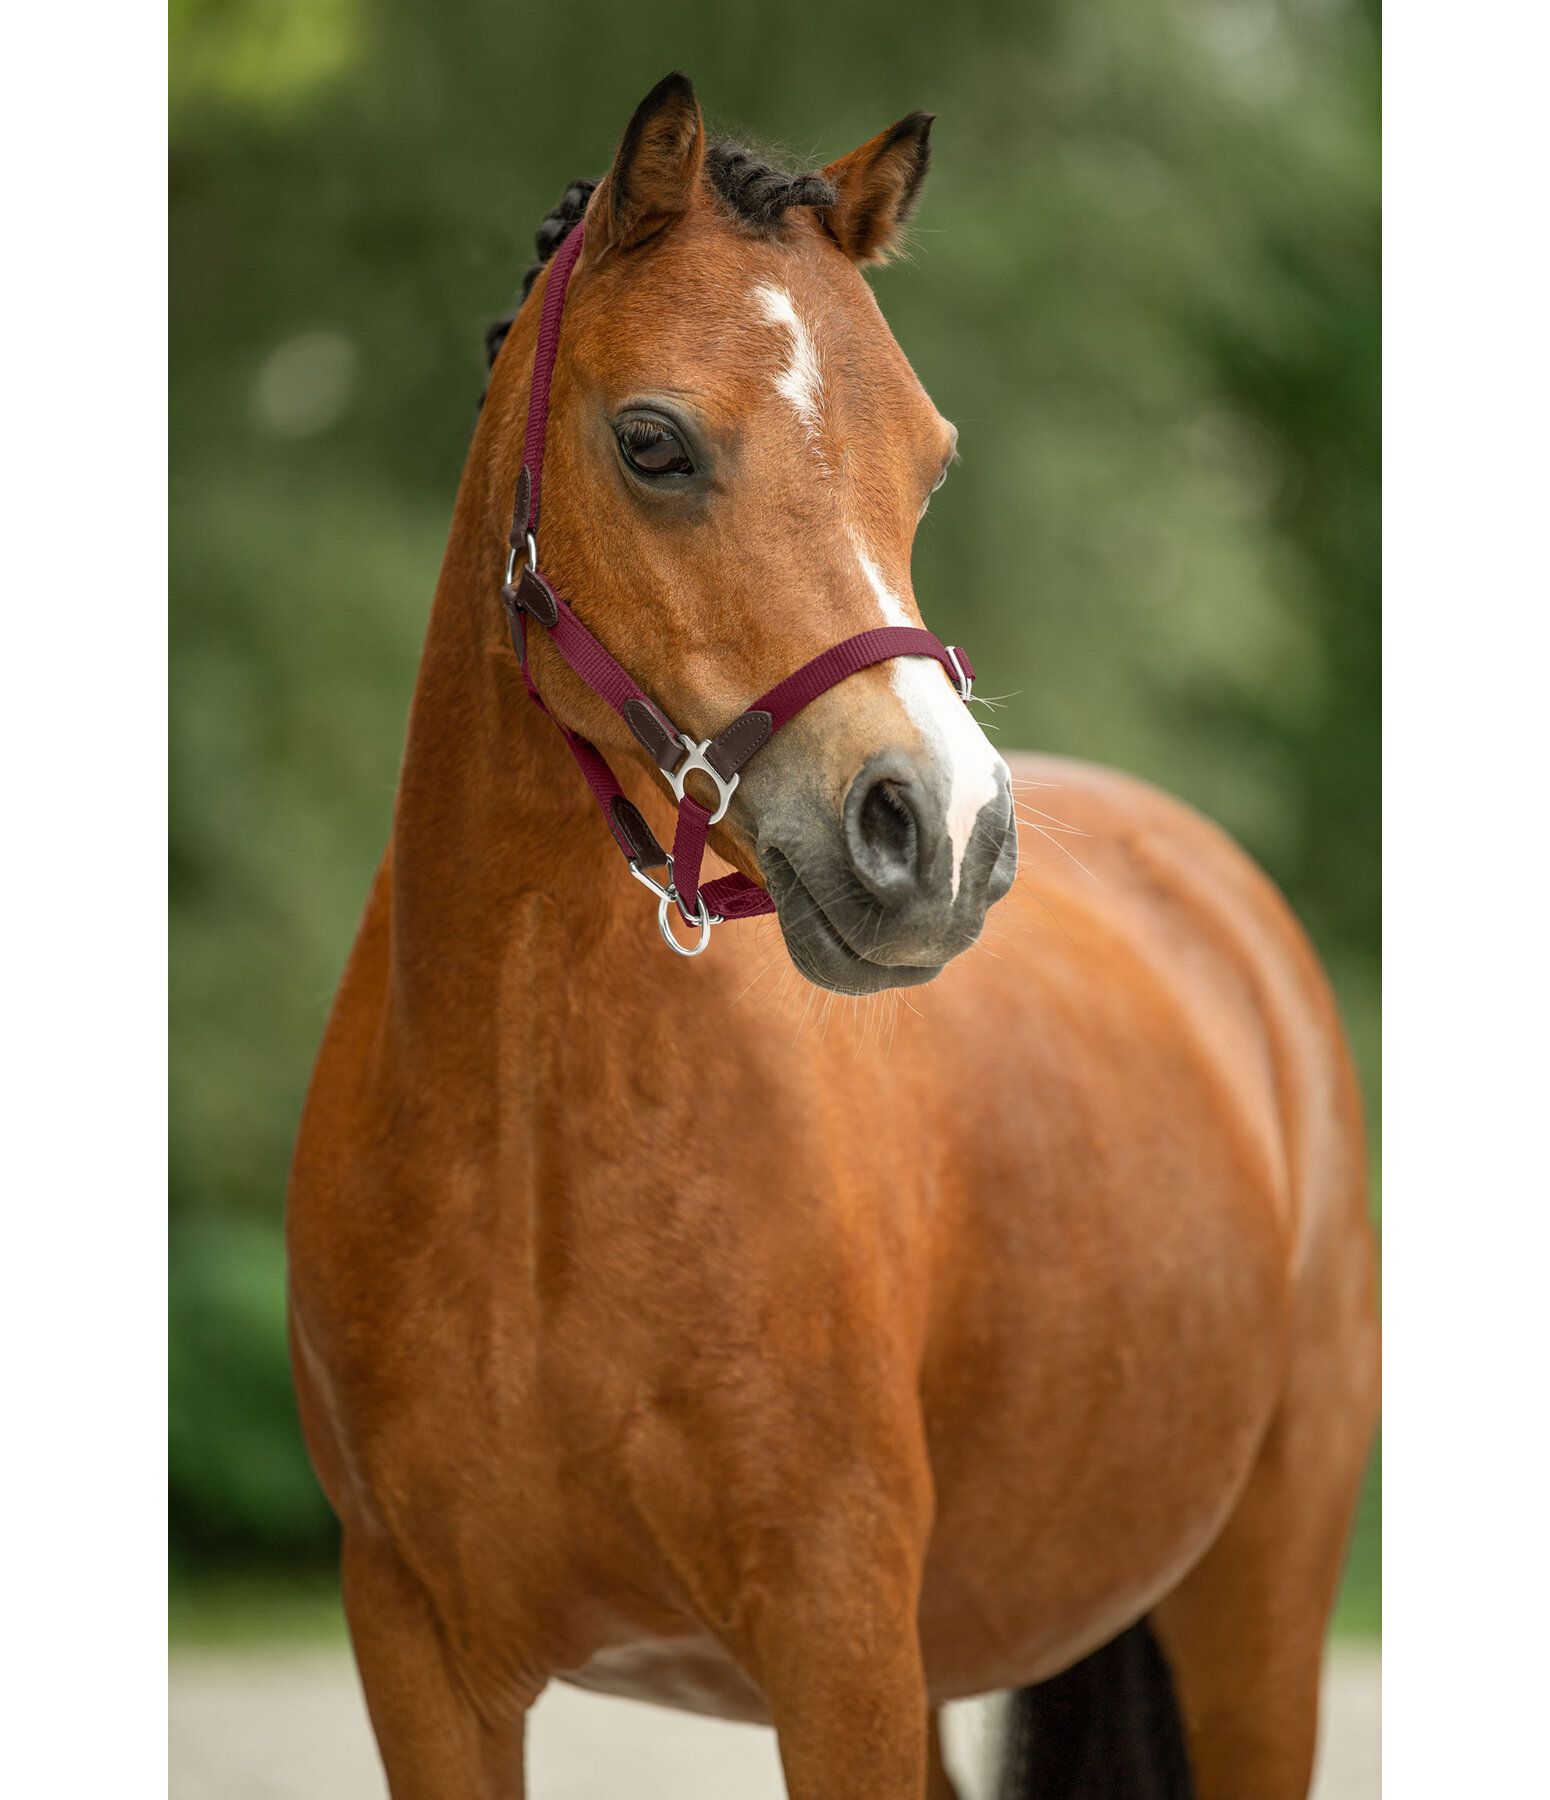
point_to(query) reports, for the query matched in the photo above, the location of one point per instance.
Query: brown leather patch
(522, 509)
(661, 746)
(535, 598)
(509, 601)
(738, 742)
(637, 833)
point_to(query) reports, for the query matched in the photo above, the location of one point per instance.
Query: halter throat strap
(527, 594)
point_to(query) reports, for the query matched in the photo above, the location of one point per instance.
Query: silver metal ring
(696, 760)
(666, 907)
(963, 682)
(670, 900)
(511, 558)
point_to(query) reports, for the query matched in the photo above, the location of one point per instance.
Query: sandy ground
(290, 1725)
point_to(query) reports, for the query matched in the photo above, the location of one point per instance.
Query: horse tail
(1108, 1728)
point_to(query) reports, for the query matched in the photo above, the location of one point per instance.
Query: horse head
(738, 455)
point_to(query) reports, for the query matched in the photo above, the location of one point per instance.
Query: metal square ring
(696, 760)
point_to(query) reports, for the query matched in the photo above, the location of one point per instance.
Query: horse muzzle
(883, 896)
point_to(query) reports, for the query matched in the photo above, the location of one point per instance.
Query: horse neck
(493, 818)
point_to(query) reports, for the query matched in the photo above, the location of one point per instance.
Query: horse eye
(934, 486)
(651, 448)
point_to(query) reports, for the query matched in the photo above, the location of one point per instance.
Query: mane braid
(755, 192)
(556, 227)
(750, 188)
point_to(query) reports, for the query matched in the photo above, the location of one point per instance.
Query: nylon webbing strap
(543, 368)
(787, 698)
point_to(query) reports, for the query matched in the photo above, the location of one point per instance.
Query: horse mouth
(820, 949)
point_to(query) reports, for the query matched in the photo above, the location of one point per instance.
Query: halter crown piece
(527, 595)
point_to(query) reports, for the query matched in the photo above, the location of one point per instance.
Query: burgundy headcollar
(721, 758)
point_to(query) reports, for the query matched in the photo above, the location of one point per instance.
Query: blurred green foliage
(1144, 283)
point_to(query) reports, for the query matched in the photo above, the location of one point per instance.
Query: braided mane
(753, 192)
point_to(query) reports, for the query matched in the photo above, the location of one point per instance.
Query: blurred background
(1143, 282)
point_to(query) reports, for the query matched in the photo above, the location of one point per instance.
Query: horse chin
(817, 947)
(835, 966)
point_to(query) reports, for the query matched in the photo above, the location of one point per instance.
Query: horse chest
(699, 1307)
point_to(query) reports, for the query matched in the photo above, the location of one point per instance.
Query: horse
(653, 1335)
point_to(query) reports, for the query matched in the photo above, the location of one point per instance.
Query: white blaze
(941, 718)
(801, 381)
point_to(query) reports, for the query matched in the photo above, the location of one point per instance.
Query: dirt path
(290, 1725)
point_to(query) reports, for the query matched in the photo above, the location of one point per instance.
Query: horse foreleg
(848, 1697)
(434, 1742)
(829, 1633)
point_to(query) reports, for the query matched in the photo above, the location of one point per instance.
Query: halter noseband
(676, 754)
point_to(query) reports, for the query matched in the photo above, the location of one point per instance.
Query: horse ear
(877, 187)
(655, 168)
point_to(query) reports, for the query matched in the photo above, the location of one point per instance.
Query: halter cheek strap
(526, 595)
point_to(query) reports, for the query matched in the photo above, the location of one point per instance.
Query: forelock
(755, 192)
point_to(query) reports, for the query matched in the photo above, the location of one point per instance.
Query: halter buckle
(696, 760)
(962, 680)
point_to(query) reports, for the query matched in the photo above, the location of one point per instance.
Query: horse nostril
(887, 824)
(883, 837)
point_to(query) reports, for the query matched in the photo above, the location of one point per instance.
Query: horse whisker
(1053, 820)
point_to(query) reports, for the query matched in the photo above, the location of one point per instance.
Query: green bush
(241, 1486)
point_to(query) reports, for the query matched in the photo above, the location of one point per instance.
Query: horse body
(661, 1330)
(1043, 1236)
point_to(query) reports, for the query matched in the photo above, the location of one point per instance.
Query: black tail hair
(1107, 1729)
